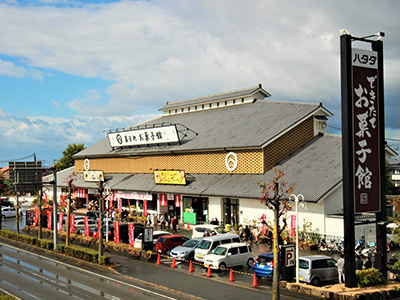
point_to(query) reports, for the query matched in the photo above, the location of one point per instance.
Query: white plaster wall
(334, 202)
(334, 226)
(215, 208)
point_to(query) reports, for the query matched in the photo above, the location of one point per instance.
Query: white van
(208, 244)
(230, 255)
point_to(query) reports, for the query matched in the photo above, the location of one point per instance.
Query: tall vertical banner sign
(366, 139)
(86, 226)
(116, 232)
(60, 222)
(36, 219)
(72, 224)
(292, 225)
(49, 219)
(131, 234)
(145, 208)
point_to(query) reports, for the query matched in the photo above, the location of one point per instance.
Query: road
(30, 276)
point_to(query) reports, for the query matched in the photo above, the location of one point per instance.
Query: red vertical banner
(72, 224)
(49, 219)
(292, 225)
(120, 205)
(45, 198)
(264, 217)
(145, 208)
(178, 199)
(60, 222)
(264, 229)
(129, 205)
(131, 234)
(163, 199)
(36, 219)
(86, 226)
(116, 232)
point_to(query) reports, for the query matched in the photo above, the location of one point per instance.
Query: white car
(7, 212)
(230, 255)
(156, 235)
(80, 226)
(200, 230)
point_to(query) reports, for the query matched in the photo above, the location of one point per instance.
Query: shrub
(105, 260)
(47, 244)
(370, 277)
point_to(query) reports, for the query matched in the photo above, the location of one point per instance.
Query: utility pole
(40, 214)
(17, 214)
(101, 190)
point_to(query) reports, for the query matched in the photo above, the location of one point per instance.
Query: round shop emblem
(231, 161)
(86, 164)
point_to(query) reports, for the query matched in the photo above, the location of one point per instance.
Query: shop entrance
(231, 212)
(198, 206)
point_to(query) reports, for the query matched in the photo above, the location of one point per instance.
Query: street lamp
(297, 198)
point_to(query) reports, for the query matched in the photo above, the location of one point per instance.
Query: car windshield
(204, 244)
(220, 251)
(191, 243)
(220, 230)
(139, 237)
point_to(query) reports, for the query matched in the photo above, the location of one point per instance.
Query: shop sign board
(93, 176)
(170, 177)
(366, 139)
(146, 136)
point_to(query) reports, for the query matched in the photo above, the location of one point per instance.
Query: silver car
(7, 212)
(316, 269)
(186, 251)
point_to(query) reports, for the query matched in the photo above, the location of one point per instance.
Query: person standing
(162, 221)
(340, 267)
(247, 233)
(359, 263)
(174, 223)
(368, 263)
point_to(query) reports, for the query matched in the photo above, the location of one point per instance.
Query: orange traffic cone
(158, 262)
(209, 272)
(188, 227)
(231, 276)
(173, 263)
(254, 281)
(190, 267)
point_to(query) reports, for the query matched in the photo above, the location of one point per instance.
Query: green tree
(275, 195)
(3, 186)
(67, 160)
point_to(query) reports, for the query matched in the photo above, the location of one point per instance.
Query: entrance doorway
(231, 212)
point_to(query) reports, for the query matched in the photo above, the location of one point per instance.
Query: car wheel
(222, 266)
(168, 253)
(315, 281)
(250, 262)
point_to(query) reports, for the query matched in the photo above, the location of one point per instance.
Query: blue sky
(71, 69)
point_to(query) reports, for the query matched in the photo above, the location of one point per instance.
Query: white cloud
(11, 70)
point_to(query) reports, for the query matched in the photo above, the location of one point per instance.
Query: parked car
(186, 250)
(7, 212)
(230, 255)
(264, 265)
(80, 226)
(208, 244)
(316, 269)
(166, 243)
(93, 214)
(199, 230)
(156, 235)
(123, 231)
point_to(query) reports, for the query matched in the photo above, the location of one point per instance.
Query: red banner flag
(131, 234)
(178, 199)
(292, 225)
(120, 205)
(264, 229)
(49, 219)
(72, 224)
(163, 199)
(86, 226)
(45, 198)
(116, 232)
(60, 222)
(145, 208)
(36, 220)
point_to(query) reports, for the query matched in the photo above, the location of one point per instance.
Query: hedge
(74, 251)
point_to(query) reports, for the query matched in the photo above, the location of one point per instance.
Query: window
(243, 249)
(319, 264)
(303, 264)
(226, 241)
(236, 240)
(233, 251)
(215, 244)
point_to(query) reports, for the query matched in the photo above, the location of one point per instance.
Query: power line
(16, 159)
(387, 139)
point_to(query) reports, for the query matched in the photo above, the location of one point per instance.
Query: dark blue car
(264, 265)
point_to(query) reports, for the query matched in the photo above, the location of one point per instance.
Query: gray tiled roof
(315, 169)
(237, 126)
(223, 96)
